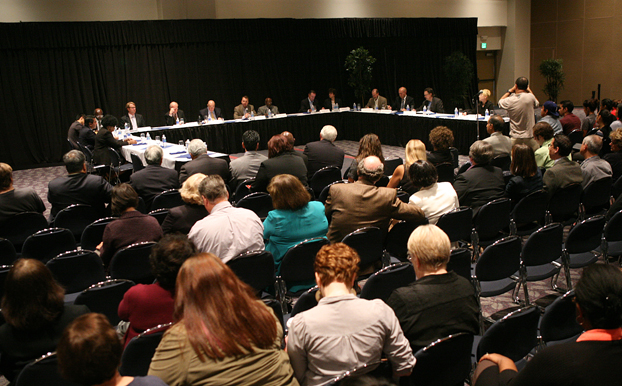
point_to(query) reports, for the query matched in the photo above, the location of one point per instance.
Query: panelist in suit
(153, 179)
(309, 104)
(280, 161)
(104, 139)
(323, 153)
(134, 120)
(332, 100)
(376, 101)
(173, 114)
(211, 112)
(243, 110)
(263, 110)
(74, 130)
(99, 115)
(403, 102)
(87, 133)
(202, 163)
(431, 102)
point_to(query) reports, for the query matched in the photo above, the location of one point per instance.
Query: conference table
(392, 128)
(175, 155)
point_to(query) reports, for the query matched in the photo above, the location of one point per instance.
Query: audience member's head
(543, 130)
(290, 139)
(415, 151)
(213, 188)
(153, 155)
(196, 147)
(74, 161)
(122, 198)
(591, 145)
(277, 145)
(336, 263)
(32, 298)
(605, 118)
(6, 176)
(369, 144)
(607, 104)
(441, 138)
(287, 192)
(590, 105)
(167, 256)
(523, 161)
(89, 351)
(568, 106)
(497, 123)
(109, 122)
(250, 140)
(481, 152)
(190, 189)
(599, 297)
(429, 249)
(616, 140)
(550, 108)
(90, 121)
(329, 133)
(561, 146)
(370, 169)
(522, 83)
(422, 174)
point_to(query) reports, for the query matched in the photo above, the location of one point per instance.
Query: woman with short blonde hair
(182, 218)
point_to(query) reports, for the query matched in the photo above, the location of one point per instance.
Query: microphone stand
(476, 100)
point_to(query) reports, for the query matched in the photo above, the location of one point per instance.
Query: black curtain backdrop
(53, 71)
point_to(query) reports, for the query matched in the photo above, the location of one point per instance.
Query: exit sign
(484, 45)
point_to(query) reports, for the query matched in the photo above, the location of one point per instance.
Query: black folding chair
(76, 218)
(528, 213)
(4, 271)
(457, 224)
(460, 262)
(576, 136)
(582, 240)
(397, 239)
(446, 361)
(612, 245)
(48, 243)
(403, 196)
(595, 198)
(137, 163)
(258, 202)
(491, 220)
(94, 232)
(306, 301)
(117, 167)
(77, 270)
(445, 172)
(19, 227)
(368, 243)
(559, 321)
(324, 177)
(44, 368)
(564, 204)
(255, 268)
(243, 189)
(159, 214)
(132, 263)
(324, 194)
(142, 207)
(502, 162)
(381, 284)
(382, 182)
(7, 252)
(139, 351)
(166, 200)
(391, 164)
(105, 297)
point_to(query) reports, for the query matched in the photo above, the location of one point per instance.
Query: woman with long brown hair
(223, 335)
(369, 144)
(526, 176)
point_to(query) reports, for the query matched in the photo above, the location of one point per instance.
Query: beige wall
(586, 35)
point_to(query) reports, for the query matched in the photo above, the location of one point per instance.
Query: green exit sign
(484, 45)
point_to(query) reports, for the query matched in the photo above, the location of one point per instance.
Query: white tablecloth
(172, 152)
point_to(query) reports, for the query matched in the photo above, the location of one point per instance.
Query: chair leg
(566, 260)
(280, 289)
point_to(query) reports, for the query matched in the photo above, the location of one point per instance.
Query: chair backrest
(115, 158)
(167, 199)
(586, 235)
(445, 172)
(7, 252)
(492, 218)
(297, 263)
(324, 194)
(397, 238)
(616, 189)
(275, 305)
(94, 233)
(455, 156)
(19, 227)
(258, 202)
(403, 196)
(105, 297)
(306, 301)
(514, 336)
(543, 246)
(613, 229)
(457, 224)
(77, 270)
(132, 263)
(48, 243)
(500, 260)
(381, 284)
(44, 368)
(4, 271)
(137, 163)
(597, 194)
(76, 217)
(324, 177)
(446, 361)
(142, 207)
(159, 214)
(576, 136)
(460, 262)
(391, 164)
(243, 189)
(565, 202)
(382, 182)
(377, 369)
(502, 161)
(139, 351)
(530, 208)
(559, 320)
(255, 268)
(368, 243)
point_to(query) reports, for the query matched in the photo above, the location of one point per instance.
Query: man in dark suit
(309, 104)
(403, 102)
(362, 204)
(87, 133)
(211, 112)
(431, 102)
(104, 139)
(74, 130)
(153, 179)
(323, 153)
(131, 118)
(174, 114)
(202, 163)
(77, 187)
(482, 182)
(564, 172)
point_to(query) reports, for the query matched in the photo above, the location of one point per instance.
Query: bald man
(211, 112)
(403, 102)
(174, 114)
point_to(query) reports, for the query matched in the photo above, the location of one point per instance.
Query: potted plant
(458, 71)
(359, 64)
(553, 72)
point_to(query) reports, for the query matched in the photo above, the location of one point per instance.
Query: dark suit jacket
(79, 188)
(87, 137)
(206, 165)
(182, 218)
(302, 156)
(479, 185)
(305, 106)
(321, 154)
(397, 105)
(217, 112)
(74, 133)
(140, 122)
(329, 105)
(563, 173)
(104, 140)
(153, 180)
(436, 106)
(170, 121)
(285, 163)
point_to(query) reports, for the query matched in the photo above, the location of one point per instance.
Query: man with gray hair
(77, 187)
(153, 179)
(362, 204)
(323, 153)
(593, 168)
(202, 163)
(482, 182)
(227, 231)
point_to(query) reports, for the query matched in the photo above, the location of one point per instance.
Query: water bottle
(407, 107)
(456, 112)
(187, 143)
(163, 140)
(487, 115)
(336, 106)
(148, 137)
(127, 126)
(354, 107)
(312, 108)
(425, 109)
(200, 120)
(269, 113)
(252, 115)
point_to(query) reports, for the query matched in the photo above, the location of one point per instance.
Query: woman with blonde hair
(368, 145)
(615, 157)
(415, 151)
(182, 218)
(223, 335)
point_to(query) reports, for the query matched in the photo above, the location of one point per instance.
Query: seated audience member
(309, 104)
(131, 118)
(268, 108)
(146, 306)
(222, 334)
(589, 107)
(439, 303)
(77, 187)
(35, 312)
(281, 160)
(227, 231)
(153, 179)
(88, 132)
(294, 219)
(89, 353)
(359, 330)
(243, 110)
(14, 201)
(593, 359)
(369, 145)
(104, 139)
(550, 115)
(332, 100)
(131, 226)
(174, 114)
(247, 166)
(202, 163)
(415, 151)
(182, 218)
(362, 204)
(291, 141)
(211, 112)
(323, 153)
(501, 144)
(484, 103)
(617, 124)
(564, 172)
(441, 139)
(482, 182)
(543, 134)
(569, 121)
(74, 130)
(603, 129)
(431, 102)
(593, 167)
(615, 157)
(526, 176)
(434, 198)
